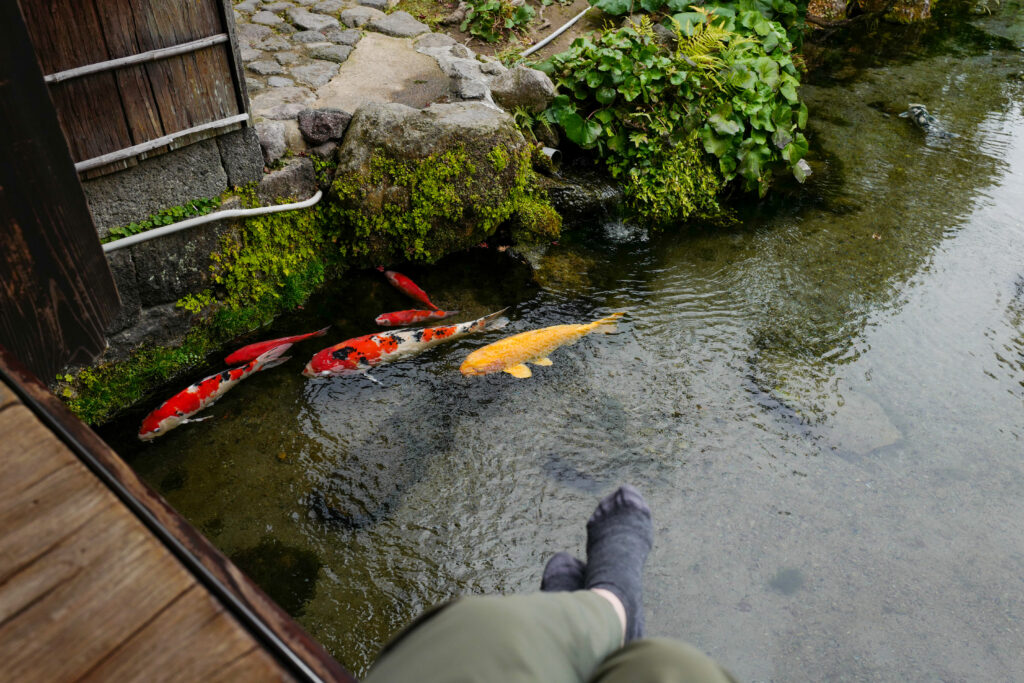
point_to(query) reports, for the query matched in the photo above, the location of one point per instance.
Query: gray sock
(563, 572)
(619, 536)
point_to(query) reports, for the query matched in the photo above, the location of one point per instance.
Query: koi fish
(407, 287)
(925, 121)
(247, 353)
(362, 353)
(179, 408)
(399, 318)
(512, 353)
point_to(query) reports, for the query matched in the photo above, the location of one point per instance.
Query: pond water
(824, 405)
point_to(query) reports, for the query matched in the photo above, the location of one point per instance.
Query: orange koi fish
(511, 354)
(362, 353)
(407, 287)
(399, 318)
(179, 408)
(247, 353)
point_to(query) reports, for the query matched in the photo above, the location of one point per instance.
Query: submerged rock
(583, 196)
(287, 574)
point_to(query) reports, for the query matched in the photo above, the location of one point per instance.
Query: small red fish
(179, 408)
(247, 353)
(361, 353)
(409, 288)
(399, 318)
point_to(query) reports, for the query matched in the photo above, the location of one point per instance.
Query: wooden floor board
(86, 590)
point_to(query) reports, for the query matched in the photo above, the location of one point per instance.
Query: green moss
(498, 158)
(426, 208)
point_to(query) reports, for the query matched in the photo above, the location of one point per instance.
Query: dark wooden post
(56, 291)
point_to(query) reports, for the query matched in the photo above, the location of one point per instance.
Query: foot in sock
(619, 537)
(563, 572)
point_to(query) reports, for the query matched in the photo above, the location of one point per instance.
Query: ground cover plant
(680, 112)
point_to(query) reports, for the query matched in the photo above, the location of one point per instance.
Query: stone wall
(202, 169)
(153, 275)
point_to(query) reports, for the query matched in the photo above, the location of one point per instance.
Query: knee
(660, 660)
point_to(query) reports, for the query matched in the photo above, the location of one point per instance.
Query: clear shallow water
(824, 406)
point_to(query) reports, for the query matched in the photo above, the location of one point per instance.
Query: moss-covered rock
(417, 184)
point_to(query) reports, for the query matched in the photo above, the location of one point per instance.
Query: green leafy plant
(494, 20)
(174, 214)
(688, 13)
(649, 109)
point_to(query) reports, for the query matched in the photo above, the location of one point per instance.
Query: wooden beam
(56, 291)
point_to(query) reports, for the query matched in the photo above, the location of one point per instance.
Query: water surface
(824, 405)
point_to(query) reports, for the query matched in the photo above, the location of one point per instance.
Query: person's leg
(659, 660)
(542, 637)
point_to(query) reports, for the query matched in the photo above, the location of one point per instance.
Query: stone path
(309, 64)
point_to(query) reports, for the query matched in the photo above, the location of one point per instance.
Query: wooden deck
(88, 591)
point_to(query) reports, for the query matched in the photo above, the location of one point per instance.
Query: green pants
(538, 638)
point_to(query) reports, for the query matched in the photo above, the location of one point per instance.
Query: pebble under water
(823, 404)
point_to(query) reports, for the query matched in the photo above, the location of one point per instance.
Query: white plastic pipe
(565, 27)
(209, 218)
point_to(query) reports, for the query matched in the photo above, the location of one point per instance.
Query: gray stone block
(265, 67)
(280, 82)
(266, 19)
(308, 37)
(272, 140)
(163, 325)
(273, 43)
(523, 87)
(399, 25)
(155, 184)
(326, 150)
(382, 5)
(320, 125)
(247, 6)
(316, 73)
(434, 40)
(287, 58)
(295, 181)
(278, 6)
(329, 6)
(249, 54)
(343, 37)
(331, 53)
(304, 19)
(123, 270)
(268, 104)
(241, 156)
(357, 16)
(170, 267)
(250, 34)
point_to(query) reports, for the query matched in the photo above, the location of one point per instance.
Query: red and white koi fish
(179, 408)
(407, 287)
(399, 318)
(247, 353)
(362, 353)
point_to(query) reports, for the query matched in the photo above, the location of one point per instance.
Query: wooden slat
(56, 291)
(67, 35)
(244, 666)
(141, 113)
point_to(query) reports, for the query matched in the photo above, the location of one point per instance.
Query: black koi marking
(418, 335)
(343, 353)
(225, 376)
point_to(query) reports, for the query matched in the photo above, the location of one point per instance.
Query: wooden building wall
(133, 106)
(56, 291)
